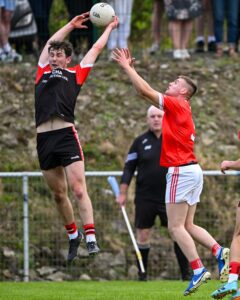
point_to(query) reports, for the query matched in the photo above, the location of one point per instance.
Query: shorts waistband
(61, 130)
(189, 164)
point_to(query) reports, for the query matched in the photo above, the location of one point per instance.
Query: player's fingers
(115, 56)
(126, 53)
(84, 15)
(118, 51)
(115, 53)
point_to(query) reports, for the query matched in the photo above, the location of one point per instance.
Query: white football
(101, 14)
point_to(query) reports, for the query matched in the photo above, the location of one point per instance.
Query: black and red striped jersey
(56, 92)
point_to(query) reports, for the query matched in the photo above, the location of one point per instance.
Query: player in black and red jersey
(184, 177)
(58, 146)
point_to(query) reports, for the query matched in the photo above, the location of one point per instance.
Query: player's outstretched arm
(99, 45)
(230, 165)
(126, 61)
(76, 22)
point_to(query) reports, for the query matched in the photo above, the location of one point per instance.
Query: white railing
(25, 176)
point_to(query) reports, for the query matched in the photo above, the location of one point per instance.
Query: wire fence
(34, 244)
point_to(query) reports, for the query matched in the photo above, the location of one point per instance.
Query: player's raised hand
(77, 22)
(123, 57)
(114, 23)
(129, 56)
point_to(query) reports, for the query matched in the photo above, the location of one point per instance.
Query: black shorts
(58, 148)
(146, 213)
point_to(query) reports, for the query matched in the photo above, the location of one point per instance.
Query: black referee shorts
(58, 148)
(146, 213)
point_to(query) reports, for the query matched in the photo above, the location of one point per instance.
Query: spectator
(158, 10)
(76, 7)
(181, 15)
(144, 155)
(119, 37)
(7, 53)
(228, 9)
(41, 11)
(205, 21)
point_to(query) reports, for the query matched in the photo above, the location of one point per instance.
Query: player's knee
(189, 226)
(172, 230)
(59, 196)
(78, 193)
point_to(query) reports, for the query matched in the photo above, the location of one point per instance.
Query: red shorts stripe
(78, 142)
(174, 183)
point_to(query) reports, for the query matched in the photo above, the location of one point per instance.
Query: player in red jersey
(59, 151)
(231, 287)
(184, 177)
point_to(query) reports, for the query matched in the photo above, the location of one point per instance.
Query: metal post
(25, 229)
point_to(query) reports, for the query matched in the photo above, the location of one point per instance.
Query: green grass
(109, 290)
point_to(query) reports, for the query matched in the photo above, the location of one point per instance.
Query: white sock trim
(73, 235)
(232, 277)
(90, 238)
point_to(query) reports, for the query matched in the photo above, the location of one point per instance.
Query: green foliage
(58, 16)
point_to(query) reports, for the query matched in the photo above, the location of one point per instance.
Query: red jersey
(178, 132)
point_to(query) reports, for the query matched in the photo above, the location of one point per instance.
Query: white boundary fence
(25, 176)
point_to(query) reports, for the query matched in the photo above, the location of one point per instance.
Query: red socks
(72, 230)
(89, 232)
(216, 249)
(196, 264)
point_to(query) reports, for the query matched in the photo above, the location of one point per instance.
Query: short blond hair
(192, 86)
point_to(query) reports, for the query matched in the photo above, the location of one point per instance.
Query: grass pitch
(107, 290)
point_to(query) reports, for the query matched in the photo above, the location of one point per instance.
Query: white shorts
(184, 184)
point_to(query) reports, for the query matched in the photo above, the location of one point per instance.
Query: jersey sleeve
(40, 71)
(82, 72)
(168, 103)
(130, 164)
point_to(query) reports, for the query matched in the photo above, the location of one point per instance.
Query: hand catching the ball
(77, 22)
(114, 23)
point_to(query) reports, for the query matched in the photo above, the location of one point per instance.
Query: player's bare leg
(177, 216)
(203, 237)
(198, 233)
(57, 181)
(76, 179)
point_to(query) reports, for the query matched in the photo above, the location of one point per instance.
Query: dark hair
(63, 45)
(192, 85)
